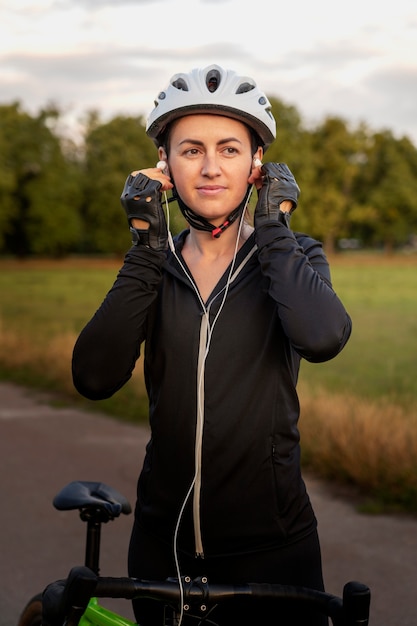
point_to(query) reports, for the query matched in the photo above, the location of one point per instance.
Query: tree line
(59, 197)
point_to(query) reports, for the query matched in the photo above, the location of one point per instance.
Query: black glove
(141, 199)
(278, 185)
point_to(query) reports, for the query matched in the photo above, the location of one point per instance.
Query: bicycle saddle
(81, 494)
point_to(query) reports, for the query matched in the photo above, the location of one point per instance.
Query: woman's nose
(211, 165)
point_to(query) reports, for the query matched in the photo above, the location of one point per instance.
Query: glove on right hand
(278, 184)
(141, 199)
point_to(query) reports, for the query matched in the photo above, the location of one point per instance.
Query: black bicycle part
(66, 600)
(198, 595)
(98, 504)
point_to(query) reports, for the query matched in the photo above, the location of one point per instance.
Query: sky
(356, 60)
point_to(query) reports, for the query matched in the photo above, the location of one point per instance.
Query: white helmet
(217, 91)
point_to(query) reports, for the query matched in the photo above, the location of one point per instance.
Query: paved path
(42, 448)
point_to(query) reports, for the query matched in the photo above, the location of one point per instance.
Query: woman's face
(210, 161)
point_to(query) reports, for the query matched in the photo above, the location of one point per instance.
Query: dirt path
(42, 448)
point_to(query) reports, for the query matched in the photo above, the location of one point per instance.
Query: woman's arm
(107, 348)
(312, 315)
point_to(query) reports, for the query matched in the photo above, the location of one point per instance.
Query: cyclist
(226, 311)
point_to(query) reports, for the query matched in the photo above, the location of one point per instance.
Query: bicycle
(75, 601)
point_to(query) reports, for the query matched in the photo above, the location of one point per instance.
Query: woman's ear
(163, 159)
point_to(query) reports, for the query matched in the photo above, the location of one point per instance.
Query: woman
(225, 312)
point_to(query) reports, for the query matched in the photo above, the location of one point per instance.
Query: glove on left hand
(278, 185)
(141, 199)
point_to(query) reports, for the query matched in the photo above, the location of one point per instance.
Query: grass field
(359, 415)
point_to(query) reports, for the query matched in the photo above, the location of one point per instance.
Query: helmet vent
(244, 88)
(213, 80)
(180, 84)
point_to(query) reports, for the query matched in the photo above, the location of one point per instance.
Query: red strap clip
(216, 232)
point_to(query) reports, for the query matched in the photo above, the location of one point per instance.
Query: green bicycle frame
(96, 615)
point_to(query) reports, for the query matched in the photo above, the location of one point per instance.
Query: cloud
(392, 93)
(102, 75)
(116, 57)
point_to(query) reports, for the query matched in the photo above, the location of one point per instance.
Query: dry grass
(364, 443)
(46, 364)
(20, 352)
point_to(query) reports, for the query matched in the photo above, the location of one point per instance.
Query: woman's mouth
(210, 190)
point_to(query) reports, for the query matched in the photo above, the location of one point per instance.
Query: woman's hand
(141, 200)
(278, 195)
(155, 173)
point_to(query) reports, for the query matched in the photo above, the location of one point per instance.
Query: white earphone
(257, 162)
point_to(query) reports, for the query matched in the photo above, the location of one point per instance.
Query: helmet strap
(201, 223)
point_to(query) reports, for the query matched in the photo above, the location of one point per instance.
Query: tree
(336, 154)
(42, 215)
(387, 188)
(7, 178)
(113, 150)
(293, 147)
(57, 198)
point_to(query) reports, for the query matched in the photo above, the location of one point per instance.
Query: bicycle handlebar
(74, 594)
(353, 609)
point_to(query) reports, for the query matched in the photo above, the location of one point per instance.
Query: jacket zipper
(202, 353)
(204, 346)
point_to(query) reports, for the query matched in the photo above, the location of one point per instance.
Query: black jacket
(279, 307)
